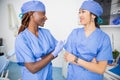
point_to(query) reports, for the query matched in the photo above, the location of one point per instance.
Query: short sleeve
(23, 52)
(69, 43)
(105, 51)
(52, 39)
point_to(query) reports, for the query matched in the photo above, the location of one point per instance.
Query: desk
(110, 75)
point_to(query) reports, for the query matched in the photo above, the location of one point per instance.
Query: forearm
(98, 67)
(37, 66)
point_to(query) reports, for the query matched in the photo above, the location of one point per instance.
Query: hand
(69, 57)
(58, 48)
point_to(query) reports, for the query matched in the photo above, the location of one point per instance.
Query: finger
(65, 54)
(65, 59)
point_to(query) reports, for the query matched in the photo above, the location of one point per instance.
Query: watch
(76, 60)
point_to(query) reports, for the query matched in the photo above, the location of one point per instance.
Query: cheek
(87, 18)
(84, 20)
(38, 18)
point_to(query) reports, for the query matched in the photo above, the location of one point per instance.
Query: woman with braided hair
(35, 47)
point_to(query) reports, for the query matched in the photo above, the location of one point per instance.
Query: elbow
(33, 70)
(101, 71)
(102, 67)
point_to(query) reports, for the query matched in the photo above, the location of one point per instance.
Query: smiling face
(39, 18)
(85, 17)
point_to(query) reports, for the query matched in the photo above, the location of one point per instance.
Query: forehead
(40, 12)
(83, 10)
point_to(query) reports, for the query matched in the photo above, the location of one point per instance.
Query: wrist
(76, 60)
(54, 53)
(52, 56)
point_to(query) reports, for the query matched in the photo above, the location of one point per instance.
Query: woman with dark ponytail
(88, 49)
(35, 47)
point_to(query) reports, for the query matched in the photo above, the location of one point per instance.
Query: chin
(81, 23)
(42, 25)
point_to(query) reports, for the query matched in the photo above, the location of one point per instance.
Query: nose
(80, 14)
(45, 17)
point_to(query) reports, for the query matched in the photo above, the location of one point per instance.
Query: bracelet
(76, 60)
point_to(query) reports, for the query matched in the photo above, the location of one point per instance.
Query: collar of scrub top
(33, 5)
(93, 7)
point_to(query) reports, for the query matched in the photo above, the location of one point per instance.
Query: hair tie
(20, 15)
(99, 20)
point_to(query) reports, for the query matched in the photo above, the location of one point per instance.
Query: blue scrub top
(97, 45)
(29, 48)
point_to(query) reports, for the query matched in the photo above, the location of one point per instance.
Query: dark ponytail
(96, 22)
(25, 21)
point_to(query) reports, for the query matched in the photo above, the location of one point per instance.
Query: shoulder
(103, 34)
(76, 30)
(21, 37)
(103, 37)
(22, 34)
(44, 29)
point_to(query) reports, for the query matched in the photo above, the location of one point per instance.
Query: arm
(98, 67)
(36, 66)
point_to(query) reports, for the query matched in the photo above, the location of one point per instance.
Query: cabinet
(111, 11)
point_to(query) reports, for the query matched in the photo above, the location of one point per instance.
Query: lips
(81, 19)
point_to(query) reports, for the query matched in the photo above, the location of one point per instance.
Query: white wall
(62, 18)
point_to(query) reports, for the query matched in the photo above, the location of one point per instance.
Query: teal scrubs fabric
(96, 45)
(29, 48)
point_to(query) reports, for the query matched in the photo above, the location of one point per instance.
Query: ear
(93, 16)
(32, 16)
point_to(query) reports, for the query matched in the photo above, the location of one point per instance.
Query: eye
(83, 11)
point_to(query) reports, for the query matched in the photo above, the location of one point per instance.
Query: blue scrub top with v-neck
(96, 45)
(29, 48)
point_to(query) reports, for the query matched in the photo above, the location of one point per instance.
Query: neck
(33, 28)
(89, 27)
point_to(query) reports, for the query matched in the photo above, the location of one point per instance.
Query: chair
(3, 65)
(2, 77)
